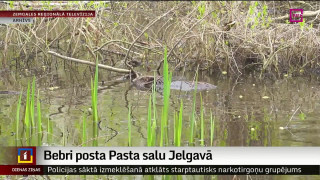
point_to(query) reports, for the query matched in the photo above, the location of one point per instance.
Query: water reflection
(248, 111)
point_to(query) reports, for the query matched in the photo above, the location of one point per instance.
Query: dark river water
(247, 111)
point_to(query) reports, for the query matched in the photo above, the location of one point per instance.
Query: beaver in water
(145, 83)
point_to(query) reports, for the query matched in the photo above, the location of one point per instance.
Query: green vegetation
(32, 100)
(18, 119)
(193, 115)
(39, 120)
(178, 126)
(201, 122)
(221, 40)
(152, 122)
(27, 118)
(211, 128)
(177, 116)
(166, 95)
(94, 100)
(150, 137)
(251, 30)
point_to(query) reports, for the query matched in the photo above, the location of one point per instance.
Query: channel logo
(296, 15)
(25, 155)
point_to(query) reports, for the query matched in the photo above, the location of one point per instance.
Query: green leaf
(302, 116)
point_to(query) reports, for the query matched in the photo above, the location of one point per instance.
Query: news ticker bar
(159, 160)
(177, 155)
(160, 170)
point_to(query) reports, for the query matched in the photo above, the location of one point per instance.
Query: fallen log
(141, 82)
(102, 66)
(305, 14)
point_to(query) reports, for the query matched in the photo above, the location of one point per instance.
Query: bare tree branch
(143, 31)
(305, 14)
(110, 68)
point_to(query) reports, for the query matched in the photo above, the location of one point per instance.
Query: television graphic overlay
(296, 15)
(19, 161)
(164, 89)
(25, 155)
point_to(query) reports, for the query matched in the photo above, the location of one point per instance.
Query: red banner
(20, 170)
(47, 14)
